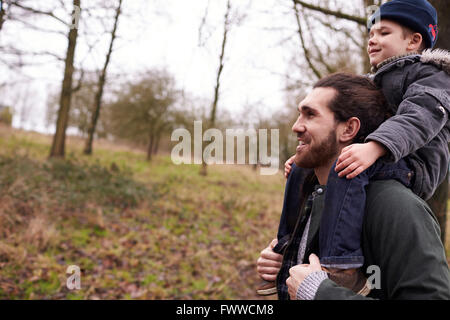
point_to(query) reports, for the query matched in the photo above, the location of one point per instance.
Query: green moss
(100, 232)
(75, 296)
(199, 284)
(81, 238)
(151, 278)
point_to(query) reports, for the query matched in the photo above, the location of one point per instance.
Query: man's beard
(319, 155)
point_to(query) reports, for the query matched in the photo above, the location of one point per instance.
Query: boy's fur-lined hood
(437, 57)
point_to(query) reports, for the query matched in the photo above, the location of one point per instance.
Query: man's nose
(298, 125)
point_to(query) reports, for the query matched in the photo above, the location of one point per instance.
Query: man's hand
(299, 273)
(269, 263)
(288, 166)
(357, 157)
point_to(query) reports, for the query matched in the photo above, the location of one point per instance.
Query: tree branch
(302, 41)
(201, 42)
(337, 14)
(35, 28)
(47, 13)
(346, 32)
(20, 53)
(319, 52)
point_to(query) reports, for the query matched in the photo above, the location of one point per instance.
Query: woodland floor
(137, 230)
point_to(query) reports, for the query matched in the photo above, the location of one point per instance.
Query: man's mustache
(303, 137)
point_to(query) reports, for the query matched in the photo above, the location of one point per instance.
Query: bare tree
(59, 139)
(101, 84)
(212, 118)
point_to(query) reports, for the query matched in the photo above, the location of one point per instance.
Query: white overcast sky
(164, 34)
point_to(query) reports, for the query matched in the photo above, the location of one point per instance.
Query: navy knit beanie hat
(418, 15)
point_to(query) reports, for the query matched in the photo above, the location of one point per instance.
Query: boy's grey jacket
(418, 90)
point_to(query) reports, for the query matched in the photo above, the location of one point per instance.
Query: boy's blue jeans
(343, 213)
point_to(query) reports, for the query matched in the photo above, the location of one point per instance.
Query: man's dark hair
(356, 96)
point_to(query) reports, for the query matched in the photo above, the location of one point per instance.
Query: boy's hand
(357, 157)
(288, 166)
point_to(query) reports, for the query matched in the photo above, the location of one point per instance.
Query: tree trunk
(59, 139)
(150, 146)
(101, 85)
(438, 202)
(212, 118)
(2, 15)
(156, 147)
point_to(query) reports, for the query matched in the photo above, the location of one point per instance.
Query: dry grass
(41, 233)
(181, 237)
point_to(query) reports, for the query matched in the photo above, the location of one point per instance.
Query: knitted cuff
(308, 288)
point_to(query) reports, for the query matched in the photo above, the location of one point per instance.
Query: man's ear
(415, 42)
(349, 130)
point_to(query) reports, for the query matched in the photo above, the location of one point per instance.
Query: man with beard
(400, 237)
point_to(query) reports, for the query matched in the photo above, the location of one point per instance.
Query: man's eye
(384, 33)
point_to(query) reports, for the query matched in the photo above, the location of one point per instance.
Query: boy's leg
(341, 222)
(342, 218)
(343, 213)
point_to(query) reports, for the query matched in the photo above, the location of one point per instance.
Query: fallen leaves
(191, 237)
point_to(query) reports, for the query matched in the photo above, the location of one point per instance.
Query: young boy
(411, 147)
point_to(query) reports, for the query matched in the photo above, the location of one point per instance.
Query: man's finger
(288, 281)
(273, 243)
(270, 255)
(267, 270)
(269, 277)
(314, 261)
(299, 266)
(268, 263)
